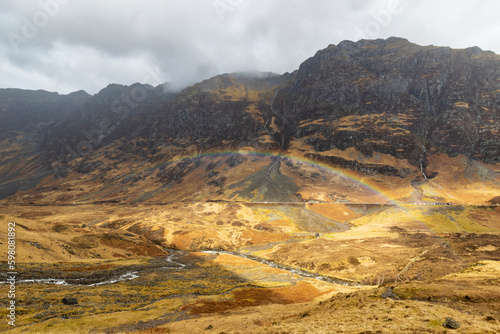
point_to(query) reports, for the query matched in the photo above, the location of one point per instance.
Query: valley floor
(253, 268)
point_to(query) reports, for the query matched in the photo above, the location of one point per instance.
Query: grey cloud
(88, 44)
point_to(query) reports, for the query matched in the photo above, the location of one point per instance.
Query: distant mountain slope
(418, 123)
(26, 117)
(115, 112)
(25, 110)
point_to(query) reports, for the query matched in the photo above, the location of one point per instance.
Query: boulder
(451, 324)
(69, 301)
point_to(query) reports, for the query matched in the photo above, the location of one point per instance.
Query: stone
(389, 293)
(69, 301)
(451, 324)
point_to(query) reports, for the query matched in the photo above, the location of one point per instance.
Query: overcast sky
(68, 45)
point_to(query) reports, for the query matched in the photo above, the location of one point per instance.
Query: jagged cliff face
(226, 112)
(395, 97)
(387, 111)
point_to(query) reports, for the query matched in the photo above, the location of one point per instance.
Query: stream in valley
(173, 262)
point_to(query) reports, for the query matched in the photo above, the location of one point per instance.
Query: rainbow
(346, 174)
(351, 176)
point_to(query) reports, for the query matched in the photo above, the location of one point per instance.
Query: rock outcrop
(395, 97)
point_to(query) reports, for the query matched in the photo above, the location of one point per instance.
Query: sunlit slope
(440, 260)
(252, 176)
(366, 122)
(393, 243)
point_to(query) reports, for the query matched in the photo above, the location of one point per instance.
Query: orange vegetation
(299, 293)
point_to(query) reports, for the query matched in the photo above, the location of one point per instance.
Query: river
(173, 263)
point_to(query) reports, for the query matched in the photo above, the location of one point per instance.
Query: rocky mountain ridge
(424, 96)
(381, 109)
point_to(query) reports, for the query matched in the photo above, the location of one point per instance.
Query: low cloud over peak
(67, 45)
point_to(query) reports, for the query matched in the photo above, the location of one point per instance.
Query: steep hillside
(32, 111)
(113, 113)
(228, 111)
(376, 114)
(26, 117)
(394, 97)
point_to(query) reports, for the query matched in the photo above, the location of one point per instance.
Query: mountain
(26, 117)
(425, 98)
(114, 112)
(388, 115)
(240, 203)
(28, 111)
(228, 111)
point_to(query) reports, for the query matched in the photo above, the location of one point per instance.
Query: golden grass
(482, 270)
(337, 212)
